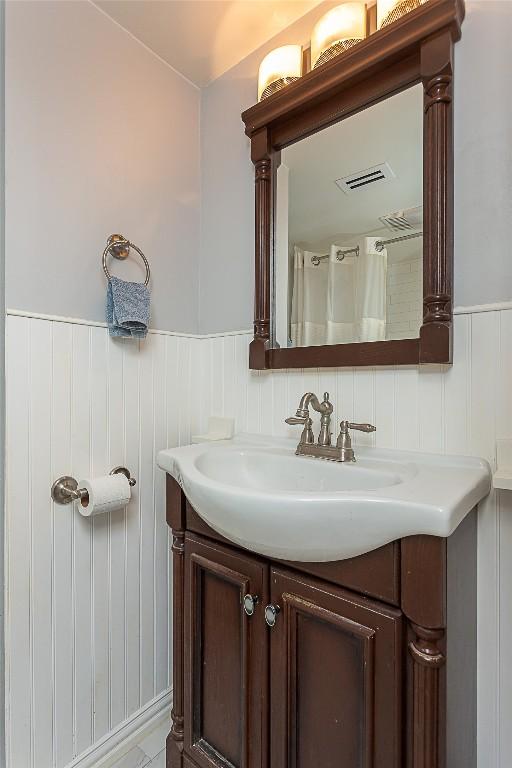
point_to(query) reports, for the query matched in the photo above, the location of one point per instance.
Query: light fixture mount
(389, 11)
(334, 50)
(276, 85)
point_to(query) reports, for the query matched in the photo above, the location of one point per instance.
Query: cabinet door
(335, 677)
(226, 657)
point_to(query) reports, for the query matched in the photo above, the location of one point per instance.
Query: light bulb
(279, 68)
(340, 28)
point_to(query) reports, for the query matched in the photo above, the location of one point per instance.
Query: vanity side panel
(176, 520)
(423, 577)
(461, 666)
(175, 513)
(376, 574)
(423, 599)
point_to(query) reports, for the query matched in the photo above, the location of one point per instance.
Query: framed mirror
(354, 203)
(348, 249)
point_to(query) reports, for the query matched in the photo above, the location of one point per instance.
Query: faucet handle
(296, 419)
(307, 433)
(361, 427)
(344, 442)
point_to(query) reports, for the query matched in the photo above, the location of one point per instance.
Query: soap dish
(219, 428)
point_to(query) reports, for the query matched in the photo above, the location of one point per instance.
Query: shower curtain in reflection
(338, 302)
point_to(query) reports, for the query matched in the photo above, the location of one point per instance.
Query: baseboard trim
(126, 735)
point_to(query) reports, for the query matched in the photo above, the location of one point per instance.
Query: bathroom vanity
(365, 661)
(325, 610)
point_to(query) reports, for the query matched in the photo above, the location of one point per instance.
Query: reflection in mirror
(348, 245)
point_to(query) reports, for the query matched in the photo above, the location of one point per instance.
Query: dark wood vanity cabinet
(225, 656)
(370, 662)
(335, 677)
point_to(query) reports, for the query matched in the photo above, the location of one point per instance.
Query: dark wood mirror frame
(418, 48)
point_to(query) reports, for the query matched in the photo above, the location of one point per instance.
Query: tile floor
(149, 752)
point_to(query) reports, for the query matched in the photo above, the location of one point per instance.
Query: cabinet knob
(271, 612)
(250, 604)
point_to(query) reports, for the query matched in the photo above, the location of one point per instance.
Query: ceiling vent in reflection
(411, 218)
(362, 179)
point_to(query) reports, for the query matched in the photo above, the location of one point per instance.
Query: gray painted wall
(114, 146)
(2, 384)
(101, 137)
(227, 189)
(483, 154)
(483, 184)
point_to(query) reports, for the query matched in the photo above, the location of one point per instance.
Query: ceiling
(202, 39)
(319, 212)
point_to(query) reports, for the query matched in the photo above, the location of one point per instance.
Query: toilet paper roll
(105, 494)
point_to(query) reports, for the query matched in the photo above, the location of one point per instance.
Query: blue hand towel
(127, 308)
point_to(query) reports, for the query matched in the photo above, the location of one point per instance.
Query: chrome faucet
(323, 449)
(302, 417)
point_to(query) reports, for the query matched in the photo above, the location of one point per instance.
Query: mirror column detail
(261, 157)
(437, 72)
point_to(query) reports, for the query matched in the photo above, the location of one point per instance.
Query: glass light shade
(339, 29)
(279, 67)
(389, 11)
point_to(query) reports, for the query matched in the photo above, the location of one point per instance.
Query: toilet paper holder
(65, 489)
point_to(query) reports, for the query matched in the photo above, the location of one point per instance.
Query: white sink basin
(259, 469)
(258, 494)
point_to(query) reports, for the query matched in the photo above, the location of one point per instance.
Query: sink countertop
(253, 490)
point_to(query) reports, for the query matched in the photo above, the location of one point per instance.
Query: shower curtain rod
(379, 246)
(340, 255)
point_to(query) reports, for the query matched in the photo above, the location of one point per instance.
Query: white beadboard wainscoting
(87, 626)
(87, 614)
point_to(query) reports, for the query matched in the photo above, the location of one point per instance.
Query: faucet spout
(310, 399)
(324, 408)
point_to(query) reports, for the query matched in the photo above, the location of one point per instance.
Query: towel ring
(119, 247)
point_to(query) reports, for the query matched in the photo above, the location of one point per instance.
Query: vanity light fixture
(389, 11)
(279, 68)
(339, 29)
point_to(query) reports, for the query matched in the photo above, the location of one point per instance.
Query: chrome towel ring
(119, 247)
